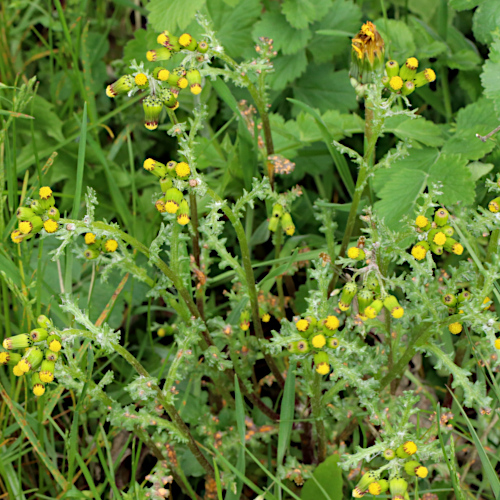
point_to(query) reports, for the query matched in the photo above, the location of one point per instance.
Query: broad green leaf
(287, 69)
(479, 169)
(464, 60)
(400, 186)
(136, 49)
(400, 37)
(285, 37)
(172, 16)
(490, 78)
(234, 26)
(477, 118)
(327, 479)
(299, 13)
(429, 43)
(344, 16)
(486, 20)
(425, 9)
(464, 4)
(418, 129)
(326, 89)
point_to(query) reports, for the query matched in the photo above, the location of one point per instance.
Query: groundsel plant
(377, 301)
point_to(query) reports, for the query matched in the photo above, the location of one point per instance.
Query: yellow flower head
(439, 238)
(371, 312)
(89, 238)
(353, 252)
(151, 55)
(430, 75)
(494, 206)
(183, 219)
(396, 83)
(455, 328)
(497, 344)
(16, 236)
(318, 341)
(410, 447)
(24, 365)
(323, 368)
(332, 323)
(182, 169)
(149, 164)
(302, 325)
(266, 318)
(51, 226)
(55, 345)
(171, 206)
(398, 312)
(418, 251)
(458, 249)
(163, 75)
(38, 390)
(17, 371)
(141, 79)
(412, 63)
(245, 325)
(195, 88)
(421, 471)
(368, 44)
(160, 206)
(185, 39)
(375, 488)
(4, 358)
(162, 38)
(161, 332)
(111, 245)
(421, 221)
(45, 192)
(182, 82)
(25, 226)
(46, 377)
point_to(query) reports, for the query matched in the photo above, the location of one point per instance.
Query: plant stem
(279, 279)
(196, 248)
(318, 417)
(250, 279)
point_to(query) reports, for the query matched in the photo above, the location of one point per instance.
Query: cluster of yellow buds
(280, 216)
(373, 483)
(316, 335)
(97, 245)
(163, 85)
(41, 214)
(173, 201)
(370, 301)
(405, 79)
(438, 238)
(41, 350)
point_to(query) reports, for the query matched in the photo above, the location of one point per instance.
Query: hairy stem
(318, 417)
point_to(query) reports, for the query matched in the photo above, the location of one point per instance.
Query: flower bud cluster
(370, 299)
(41, 214)
(372, 482)
(405, 79)
(97, 245)
(39, 353)
(317, 336)
(280, 216)
(163, 85)
(173, 201)
(367, 56)
(438, 236)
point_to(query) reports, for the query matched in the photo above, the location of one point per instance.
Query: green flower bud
(183, 213)
(202, 47)
(162, 54)
(186, 41)
(152, 108)
(321, 363)
(91, 253)
(54, 342)
(464, 296)
(165, 184)
(47, 371)
(302, 346)
(347, 295)
(38, 386)
(448, 231)
(392, 305)
(413, 468)
(365, 298)
(53, 213)
(36, 207)
(155, 167)
(408, 88)
(161, 73)
(39, 334)
(332, 342)
(373, 310)
(31, 359)
(365, 481)
(494, 205)
(123, 85)
(273, 224)
(386, 81)
(167, 97)
(25, 213)
(9, 358)
(178, 78)
(287, 224)
(409, 69)
(389, 454)
(194, 79)
(454, 246)
(372, 283)
(424, 77)
(20, 341)
(436, 249)
(406, 449)
(392, 68)
(277, 210)
(173, 198)
(398, 486)
(51, 355)
(43, 321)
(449, 300)
(169, 41)
(441, 216)
(245, 320)
(32, 226)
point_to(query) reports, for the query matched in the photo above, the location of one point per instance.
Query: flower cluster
(373, 483)
(280, 216)
(437, 236)
(368, 51)
(163, 85)
(316, 335)
(405, 79)
(371, 299)
(41, 214)
(41, 350)
(97, 245)
(173, 201)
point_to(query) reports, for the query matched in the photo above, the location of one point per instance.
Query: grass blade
(80, 164)
(287, 413)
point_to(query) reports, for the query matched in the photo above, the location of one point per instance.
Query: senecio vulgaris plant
(378, 300)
